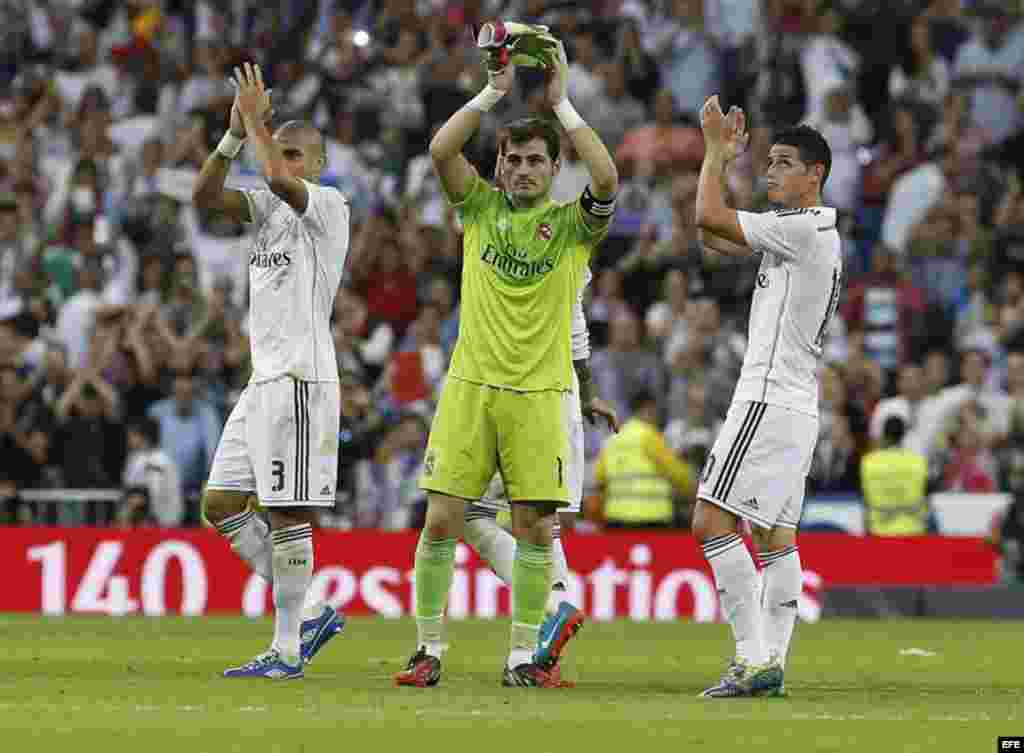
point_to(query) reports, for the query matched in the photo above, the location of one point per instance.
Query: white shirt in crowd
(295, 269)
(154, 471)
(797, 293)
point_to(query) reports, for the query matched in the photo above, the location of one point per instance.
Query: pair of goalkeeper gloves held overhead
(513, 43)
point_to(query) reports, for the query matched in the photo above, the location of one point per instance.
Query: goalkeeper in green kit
(504, 401)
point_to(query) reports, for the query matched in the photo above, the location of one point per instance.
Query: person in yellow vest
(637, 472)
(895, 485)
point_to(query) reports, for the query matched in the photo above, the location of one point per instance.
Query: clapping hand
(252, 99)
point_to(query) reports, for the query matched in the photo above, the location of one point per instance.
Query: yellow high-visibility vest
(635, 491)
(895, 483)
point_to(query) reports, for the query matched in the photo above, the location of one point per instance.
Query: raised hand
(557, 87)
(252, 97)
(726, 134)
(501, 73)
(738, 137)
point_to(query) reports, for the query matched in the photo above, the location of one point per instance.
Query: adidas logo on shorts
(751, 503)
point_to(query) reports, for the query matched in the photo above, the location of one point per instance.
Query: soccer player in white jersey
(758, 466)
(498, 547)
(280, 442)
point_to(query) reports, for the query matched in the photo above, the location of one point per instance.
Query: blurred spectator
(900, 150)
(84, 68)
(1007, 535)
(387, 486)
(895, 484)
(358, 437)
(189, 430)
(90, 440)
(663, 147)
(208, 87)
(13, 255)
(828, 64)
(962, 454)
(666, 319)
(905, 405)
(708, 347)
(916, 192)
(572, 176)
(991, 66)
(846, 127)
(151, 484)
(626, 366)
(607, 302)
(945, 414)
(637, 473)
(922, 78)
(692, 431)
(688, 61)
(612, 110)
(888, 307)
(643, 77)
(834, 465)
(1008, 223)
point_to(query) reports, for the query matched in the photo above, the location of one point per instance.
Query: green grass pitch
(82, 684)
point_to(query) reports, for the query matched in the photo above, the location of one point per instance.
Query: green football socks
(435, 564)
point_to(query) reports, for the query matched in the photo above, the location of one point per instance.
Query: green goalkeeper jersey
(522, 269)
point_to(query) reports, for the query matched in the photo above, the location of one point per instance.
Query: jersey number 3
(277, 471)
(830, 310)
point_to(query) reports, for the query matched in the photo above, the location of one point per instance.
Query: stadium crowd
(123, 334)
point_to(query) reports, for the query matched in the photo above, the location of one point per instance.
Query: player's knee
(710, 521)
(219, 504)
(445, 518)
(294, 516)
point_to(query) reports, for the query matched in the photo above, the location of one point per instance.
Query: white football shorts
(759, 463)
(495, 498)
(281, 443)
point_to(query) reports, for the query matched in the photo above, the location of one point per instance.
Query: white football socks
(497, 547)
(249, 537)
(293, 571)
(738, 590)
(559, 571)
(492, 542)
(783, 584)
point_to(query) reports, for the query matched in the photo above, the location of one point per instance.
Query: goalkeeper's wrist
(486, 99)
(230, 145)
(567, 115)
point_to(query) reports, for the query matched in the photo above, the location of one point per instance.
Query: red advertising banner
(641, 576)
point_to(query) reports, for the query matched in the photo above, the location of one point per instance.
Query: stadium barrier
(650, 576)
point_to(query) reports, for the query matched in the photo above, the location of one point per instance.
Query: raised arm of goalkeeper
(599, 198)
(457, 174)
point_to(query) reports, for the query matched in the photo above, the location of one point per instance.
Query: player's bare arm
(209, 192)
(453, 169)
(254, 106)
(725, 138)
(598, 200)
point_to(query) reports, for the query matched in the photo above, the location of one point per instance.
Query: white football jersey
(797, 293)
(295, 268)
(580, 334)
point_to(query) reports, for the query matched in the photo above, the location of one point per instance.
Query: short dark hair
(810, 144)
(526, 129)
(147, 427)
(894, 429)
(641, 398)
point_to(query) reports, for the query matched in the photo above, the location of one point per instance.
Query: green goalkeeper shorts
(478, 430)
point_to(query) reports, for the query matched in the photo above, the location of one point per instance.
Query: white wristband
(567, 115)
(230, 145)
(486, 99)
